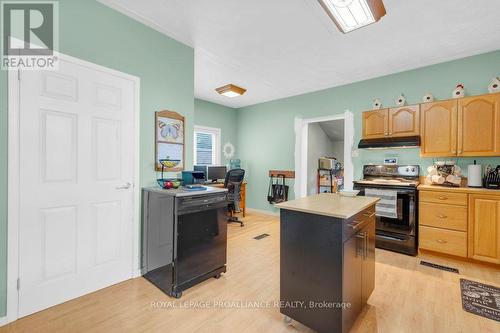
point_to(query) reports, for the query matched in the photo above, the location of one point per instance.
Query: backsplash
(412, 156)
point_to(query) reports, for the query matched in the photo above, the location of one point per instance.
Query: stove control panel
(392, 170)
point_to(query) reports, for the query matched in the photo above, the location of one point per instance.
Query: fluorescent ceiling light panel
(350, 15)
(230, 90)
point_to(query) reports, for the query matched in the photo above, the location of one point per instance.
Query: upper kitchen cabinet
(404, 121)
(438, 129)
(376, 124)
(479, 125)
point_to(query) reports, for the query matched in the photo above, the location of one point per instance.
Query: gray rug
(480, 299)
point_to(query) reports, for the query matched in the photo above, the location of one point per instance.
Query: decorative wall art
(169, 141)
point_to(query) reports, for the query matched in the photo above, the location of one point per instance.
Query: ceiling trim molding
(147, 22)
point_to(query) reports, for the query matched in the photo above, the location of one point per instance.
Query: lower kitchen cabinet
(462, 222)
(484, 228)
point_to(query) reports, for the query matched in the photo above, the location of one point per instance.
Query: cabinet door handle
(442, 198)
(366, 245)
(362, 236)
(442, 216)
(369, 214)
(354, 225)
(440, 241)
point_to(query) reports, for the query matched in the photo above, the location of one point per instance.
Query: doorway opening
(315, 138)
(325, 156)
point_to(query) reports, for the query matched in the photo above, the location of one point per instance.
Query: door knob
(125, 186)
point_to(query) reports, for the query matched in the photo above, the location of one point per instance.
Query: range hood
(398, 142)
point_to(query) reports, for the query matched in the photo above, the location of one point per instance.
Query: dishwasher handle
(201, 203)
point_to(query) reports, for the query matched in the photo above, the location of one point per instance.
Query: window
(207, 146)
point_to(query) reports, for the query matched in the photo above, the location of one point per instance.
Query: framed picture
(169, 139)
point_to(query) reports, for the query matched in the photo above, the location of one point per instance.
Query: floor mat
(480, 299)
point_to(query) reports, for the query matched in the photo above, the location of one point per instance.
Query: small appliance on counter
(491, 178)
(328, 163)
(474, 175)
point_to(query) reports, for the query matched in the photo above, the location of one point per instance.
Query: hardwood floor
(408, 297)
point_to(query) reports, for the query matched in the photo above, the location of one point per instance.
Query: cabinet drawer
(448, 198)
(443, 216)
(444, 241)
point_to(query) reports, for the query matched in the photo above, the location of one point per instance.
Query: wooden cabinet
(443, 241)
(404, 121)
(376, 124)
(479, 125)
(438, 129)
(395, 122)
(484, 228)
(467, 126)
(443, 222)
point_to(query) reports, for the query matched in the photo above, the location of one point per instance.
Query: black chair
(233, 182)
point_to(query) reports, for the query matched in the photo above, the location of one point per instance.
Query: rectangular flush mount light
(230, 90)
(350, 15)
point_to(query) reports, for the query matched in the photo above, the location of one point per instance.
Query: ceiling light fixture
(230, 90)
(350, 15)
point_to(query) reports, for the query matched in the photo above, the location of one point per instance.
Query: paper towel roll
(474, 177)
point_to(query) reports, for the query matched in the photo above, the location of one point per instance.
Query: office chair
(233, 182)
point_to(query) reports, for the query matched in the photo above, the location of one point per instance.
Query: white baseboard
(3, 321)
(262, 211)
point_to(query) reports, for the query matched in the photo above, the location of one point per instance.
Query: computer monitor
(215, 173)
(202, 168)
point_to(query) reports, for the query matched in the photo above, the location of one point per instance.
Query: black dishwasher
(201, 236)
(184, 238)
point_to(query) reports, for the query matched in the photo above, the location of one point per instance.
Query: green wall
(215, 115)
(266, 138)
(96, 33)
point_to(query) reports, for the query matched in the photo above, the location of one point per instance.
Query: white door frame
(301, 146)
(14, 177)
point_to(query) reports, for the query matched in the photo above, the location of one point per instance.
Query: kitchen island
(327, 260)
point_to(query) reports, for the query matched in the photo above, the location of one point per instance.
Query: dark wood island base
(327, 267)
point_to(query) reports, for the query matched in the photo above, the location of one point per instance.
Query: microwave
(327, 163)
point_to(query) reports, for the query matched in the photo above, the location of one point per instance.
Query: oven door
(406, 212)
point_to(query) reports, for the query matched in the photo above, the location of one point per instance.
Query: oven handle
(391, 238)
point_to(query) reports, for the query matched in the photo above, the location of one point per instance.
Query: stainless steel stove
(396, 185)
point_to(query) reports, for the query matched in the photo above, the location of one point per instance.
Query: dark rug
(441, 267)
(480, 299)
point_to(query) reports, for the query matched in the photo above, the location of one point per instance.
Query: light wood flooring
(408, 297)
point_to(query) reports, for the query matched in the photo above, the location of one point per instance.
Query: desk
(243, 194)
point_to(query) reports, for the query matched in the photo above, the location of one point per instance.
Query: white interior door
(76, 191)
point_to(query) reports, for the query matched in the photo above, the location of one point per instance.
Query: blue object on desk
(194, 188)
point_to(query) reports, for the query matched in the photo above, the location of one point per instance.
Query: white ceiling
(334, 129)
(281, 48)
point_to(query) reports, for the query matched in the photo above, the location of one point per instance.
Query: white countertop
(328, 204)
